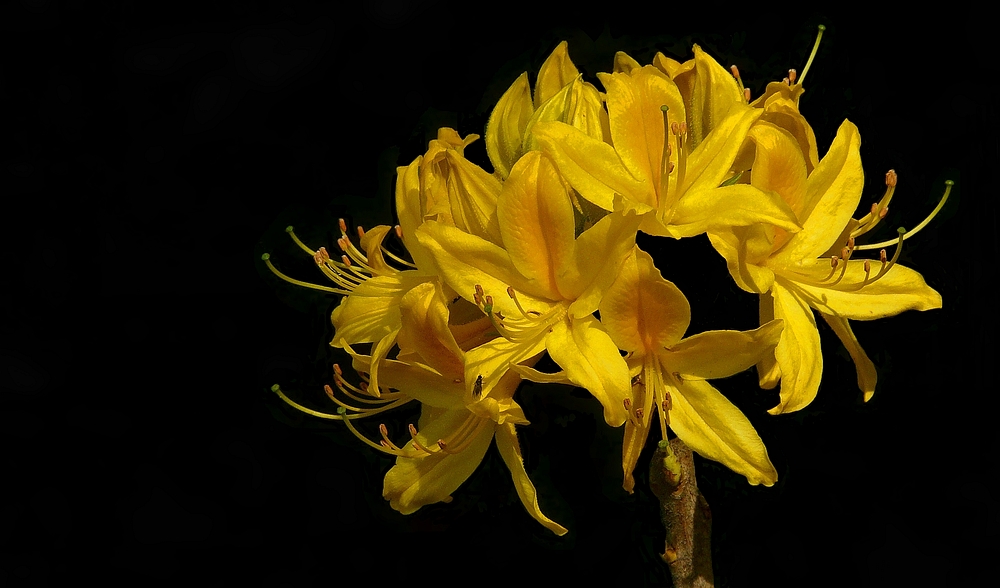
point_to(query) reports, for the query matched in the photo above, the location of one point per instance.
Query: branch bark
(686, 516)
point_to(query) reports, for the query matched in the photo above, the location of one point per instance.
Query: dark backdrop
(151, 155)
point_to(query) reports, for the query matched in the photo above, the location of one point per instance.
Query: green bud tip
(275, 388)
(822, 27)
(949, 183)
(662, 444)
(901, 230)
(664, 108)
(341, 410)
(266, 256)
(289, 229)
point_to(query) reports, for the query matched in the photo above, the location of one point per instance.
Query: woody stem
(686, 516)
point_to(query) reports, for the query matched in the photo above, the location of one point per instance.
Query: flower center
(528, 327)
(666, 198)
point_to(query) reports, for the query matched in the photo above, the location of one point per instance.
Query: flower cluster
(504, 267)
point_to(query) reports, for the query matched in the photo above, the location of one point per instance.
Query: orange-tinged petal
(583, 349)
(779, 165)
(609, 242)
(634, 111)
(900, 289)
(557, 70)
(720, 354)
(536, 220)
(425, 332)
(417, 481)
(643, 312)
(832, 194)
(867, 375)
(506, 125)
(711, 425)
(510, 450)
(463, 261)
(592, 167)
(798, 353)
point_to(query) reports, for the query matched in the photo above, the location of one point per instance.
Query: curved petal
(578, 104)
(900, 289)
(709, 164)
(832, 194)
(714, 94)
(417, 481)
(591, 166)
(463, 261)
(409, 209)
(798, 353)
(491, 361)
(768, 372)
(720, 354)
(557, 70)
(510, 450)
(472, 194)
(421, 382)
(711, 425)
(738, 205)
(371, 311)
(637, 128)
(597, 254)
(424, 330)
(779, 165)
(747, 275)
(536, 223)
(867, 375)
(643, 312)
(591, 360)
(506, 125)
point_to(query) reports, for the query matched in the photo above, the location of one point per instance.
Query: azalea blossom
(647, 316)
(795, 273)
(541, 288)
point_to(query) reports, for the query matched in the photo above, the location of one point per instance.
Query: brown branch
(686, 516)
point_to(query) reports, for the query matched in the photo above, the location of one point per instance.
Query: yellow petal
(610, 241)
(557, 70)
(783, 113)
(768, 372)
(673, 68)
(463, 261)
(417, 481)
(624, 63)
(634, 111)
(711, 425)
(409, 209)
(720, 354)
(506, 126)
(867, 375)
(798, 353)
(421, 382)
(536, 220)
(591, 360)
(643, 312)
(592, 167)
(715, 92)
(738, 205)
(710, 162)
(472, 194)
(425, 332)
(371, 311)
(492, 361)
(900, 289)
(779, 165)
(510, 450)
(578, 104)
(741, 254)
(832, 194)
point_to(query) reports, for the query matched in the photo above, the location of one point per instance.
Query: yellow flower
(541, 288)
(668, 171)
(560, 95)
(647, 316)
(795, 273)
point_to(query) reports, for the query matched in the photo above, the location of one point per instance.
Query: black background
(152, 154)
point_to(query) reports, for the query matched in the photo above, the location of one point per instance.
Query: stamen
(267, 260)
(399, 232)
(361, 232)
(385, 437)
(746, 94)
(665, 165)
(791, 76)
(413, 436)
(298, 242)
(277, 390)
(924, 223)
(879, 210)
(531, 315)
(343, 225)
(347, 421)
(812, 55)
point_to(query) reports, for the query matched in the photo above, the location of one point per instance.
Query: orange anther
(346, 260)
(343, 225)
(399, 231)
(883, 212)
(510, 291)
(833, 261)
(791, 75)
(361, 232)
(891, 178)
(746, 94)
(735, 70)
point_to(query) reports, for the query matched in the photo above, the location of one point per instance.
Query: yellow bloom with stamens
(795, 273)
(647, 316)
(560, 95)
(541, 288)
(456, 426)
(673, 174)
